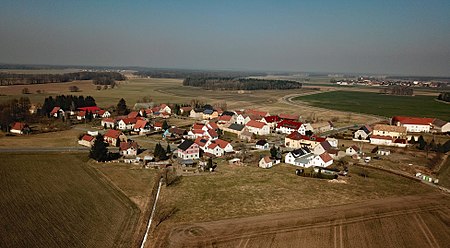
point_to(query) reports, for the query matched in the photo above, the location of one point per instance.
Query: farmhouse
(440, 126)
(113, 137)
(363, 133)
(271, 121)
(188, 150)
(87, 140)
(413, 124)
(265, 162)
(20, 128)
(56, 112)
(129, 148)
(297, 140)
(388, 130)
(288, 126)
(258, 128)
(108, 123)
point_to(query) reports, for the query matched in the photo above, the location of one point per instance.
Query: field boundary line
(152, 214)
(428, 230)
(423, 230)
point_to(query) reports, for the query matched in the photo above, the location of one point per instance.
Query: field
(412, 221)
(378, 104)
(56, 200)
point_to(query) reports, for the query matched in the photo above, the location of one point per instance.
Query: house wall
(361, 133)
(387, 133)
(382, 142)
(417, 128)
(16, 131)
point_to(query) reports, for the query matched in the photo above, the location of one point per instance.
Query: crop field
(378, 104)
(411, 221)
(234, 192)
(56, 200)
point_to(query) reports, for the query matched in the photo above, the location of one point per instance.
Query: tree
(422, 143)
(168, 150)
(122, 107)
(25, 91)
(165, 126)
(99, 151)
(273, 152)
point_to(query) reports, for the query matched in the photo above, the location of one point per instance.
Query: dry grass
(247, 191)
(67, 138)
(56, 200)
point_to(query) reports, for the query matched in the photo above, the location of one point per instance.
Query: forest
(228, 83)
(101, 78)
(179, 73)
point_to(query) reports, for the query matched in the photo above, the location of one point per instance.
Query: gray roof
(439, 123)
(185, 145)
(237, 127)
(300, 152)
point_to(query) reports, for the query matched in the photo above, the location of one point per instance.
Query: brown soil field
(410, 221)
(57, 200)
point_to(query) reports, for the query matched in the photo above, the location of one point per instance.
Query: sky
(404, 37)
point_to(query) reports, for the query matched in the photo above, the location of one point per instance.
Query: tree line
(226, 83)
(68, 102)
(168, 73)
(101, 78)
(398, 90)
(14, 110)
(444, 96)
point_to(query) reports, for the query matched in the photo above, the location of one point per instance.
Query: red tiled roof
(140, 124)
(197, 126)
(221, 143)
(290, 124)
(325, 157)
(186, 109)
(225, 118)
(213, 133)
(81, 113)
(256, 112)
(381, 137)
(126, 145)
(289, 116)
(272, 118)
(267, 159)
(55, 110)
(91, 109)
(112, 134)
(198, 131)
(129, 120)
(297, 136)
(212, 145)
(108, 120)
(101, 112)
(18, 126)
(158, 124)
(213, 125)
(87, 137)
(256, 124)
(133, 114)
(412, 120)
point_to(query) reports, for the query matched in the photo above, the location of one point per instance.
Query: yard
(379, 104)
(56, 200)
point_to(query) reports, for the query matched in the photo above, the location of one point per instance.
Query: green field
(378, 104)
(57, 200)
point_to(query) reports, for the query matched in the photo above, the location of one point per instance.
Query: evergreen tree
(122, 107)
(99, 151)
(168, 150)
(422, 143)
(273, 152)
(165, 125)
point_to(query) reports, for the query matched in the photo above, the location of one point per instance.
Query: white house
(129, 148)
(265, 162)
(352, 150)
(87, 140)
(413, 124)
(142, 127)
(108, 123)
(104, 113)
(19, 128)
(363, 133)
(322, 160)
(126, 123)
(389, 130)
(299, 157)
(322, 147)
(188, 150)
(262, 145)
(288, 126)
(56, 112)
(440, 126)
(258, 128)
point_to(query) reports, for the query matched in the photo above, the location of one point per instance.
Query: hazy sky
(391, 36)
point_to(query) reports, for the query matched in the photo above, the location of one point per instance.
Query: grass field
(56, 200)
(378, 104)
(247, 191)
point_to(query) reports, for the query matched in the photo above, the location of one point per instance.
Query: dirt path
(335, 225)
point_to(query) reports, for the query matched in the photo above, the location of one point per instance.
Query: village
(208, 134)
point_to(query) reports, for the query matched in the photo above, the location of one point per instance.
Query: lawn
(247, 191)
(56, 200)
(379, 104)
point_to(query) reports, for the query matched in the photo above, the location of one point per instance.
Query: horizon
(402, 38)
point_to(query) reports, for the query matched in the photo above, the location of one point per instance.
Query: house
(20, 128)
(262, 145)
(352, 150)
(129, 148)
(389, 130)
(363, 133)
(142, 127)
(174, 133)
(258, 128)
(271, 121)
(126, 123)
(158, 126)
(56, 112)
(413, 124)
(440, 126)
(322, 160)
(258, 113)
(290, 117)
(196, 113)
(322, 147)
(383, 152)
(299, 157)
(113, 137)
(184, 110)
(321, 127)
(297, 140)
(209, 114)
(108, 123)
(245, 135)
(104, 113)
(163, 108)
(288, 126)
(234, 128)
(81, 115)
(242, 119)
(226, 119)
(188, 150)
(87, 140)
(133, 114)
(265, 162)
